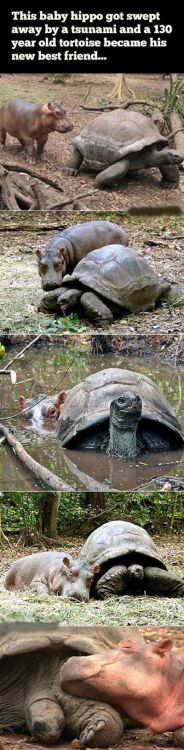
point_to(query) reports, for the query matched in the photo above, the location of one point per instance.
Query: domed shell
(121, 275)
(88, 403)
(119, 539)
(113, 135)
(25, 638)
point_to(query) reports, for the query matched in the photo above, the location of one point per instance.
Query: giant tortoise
(31, 657)
(105, 282)
(118, 142)
(119, 412)
(129, 562)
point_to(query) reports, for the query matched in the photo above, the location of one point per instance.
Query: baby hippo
(29, 123)
(42, 407)
(51, 573)
(145, 681)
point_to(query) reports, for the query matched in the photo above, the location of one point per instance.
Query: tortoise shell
(113, 135)
(88, 403)
(120, 275)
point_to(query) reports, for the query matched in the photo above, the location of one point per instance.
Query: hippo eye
(52, 412)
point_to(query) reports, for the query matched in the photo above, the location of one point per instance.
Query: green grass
(29, 606)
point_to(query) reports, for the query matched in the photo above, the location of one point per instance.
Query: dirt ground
(139, 739)
(89, 90)
(129, 610)
(158, 239)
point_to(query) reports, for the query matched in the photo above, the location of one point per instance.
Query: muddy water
(39, 371)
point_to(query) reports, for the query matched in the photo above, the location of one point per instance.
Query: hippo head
(42, 407)
(53, 261)
(147, 682)
(72, 579)
(53, 118)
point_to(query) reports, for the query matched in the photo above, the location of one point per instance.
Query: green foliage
(61, 77)
(171, 101)
(2, 351)
(68, 323)
(155, 511)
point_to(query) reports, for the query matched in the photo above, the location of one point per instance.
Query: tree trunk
(96, 499)
(48, 510)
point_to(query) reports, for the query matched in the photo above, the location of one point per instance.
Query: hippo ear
(96, 569)
(127, 646)
(66, 561)
(21, 402)
(60, 398)
(162, 647)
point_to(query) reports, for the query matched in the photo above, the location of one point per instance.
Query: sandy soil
(90, 90)
(159, 240)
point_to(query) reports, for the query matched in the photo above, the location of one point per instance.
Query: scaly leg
(112, 174)
(74, 163)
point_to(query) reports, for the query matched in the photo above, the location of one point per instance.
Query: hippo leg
(94, 309)
(2, 136)
(40, 145)
(95, 724)
(170, 176)
(162, 583)
(178, 737)
(37, 585)
(45, 720)
(113, 582)
(112, 174)
(74, 163)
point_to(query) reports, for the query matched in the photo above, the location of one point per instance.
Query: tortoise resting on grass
(106, 282)
(129, 562)
(118, 142)
(31, 658)
(118, 412)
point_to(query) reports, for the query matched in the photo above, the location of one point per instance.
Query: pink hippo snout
(147, 682)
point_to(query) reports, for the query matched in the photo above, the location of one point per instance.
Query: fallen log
(33, 173)
(125, 105)
(75, 198)
(177, 131)
(40, 200)
(8, 194)
(41, 472)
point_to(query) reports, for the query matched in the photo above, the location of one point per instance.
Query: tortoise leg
(112, 174)
(60, 300)
(113, 582)
(45, 720)
(73, 165)
(170, 176)
(162, 583)
(94, 309)
(95, 724)
(178, 737)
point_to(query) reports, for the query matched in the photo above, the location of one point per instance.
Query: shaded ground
(139, 739)
(125, 610)
(159, 240)
(90, 90)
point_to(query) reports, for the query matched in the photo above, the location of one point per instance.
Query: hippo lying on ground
(29, 123)
(68, 247)
(51, 573)
(145, 682)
